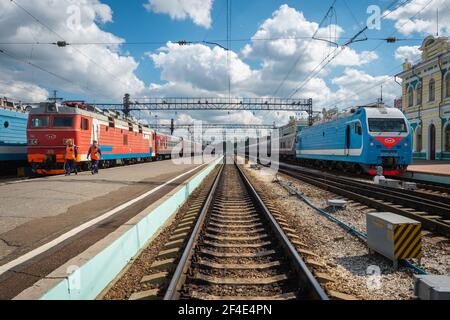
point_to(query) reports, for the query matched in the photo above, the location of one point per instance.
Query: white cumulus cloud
(412, 53)
(97, 71)
(420, 16)
(199, 11)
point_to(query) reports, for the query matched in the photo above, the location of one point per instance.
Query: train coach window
(387, 125)
(84, 124)
(39, 122)
(125, 140)
(66, 122)
(6, 124)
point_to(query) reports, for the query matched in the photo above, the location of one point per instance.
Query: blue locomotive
(366, 138)
(13, 132)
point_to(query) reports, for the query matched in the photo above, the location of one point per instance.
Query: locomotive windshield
(63, 122)
(387, 125)
(39, 122)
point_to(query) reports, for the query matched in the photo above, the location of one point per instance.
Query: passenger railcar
(13, 125)
(122, 140)
(165, 144)
(288, 138)
(367, 138)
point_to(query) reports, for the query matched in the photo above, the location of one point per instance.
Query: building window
(419, 139)
(419, 93)
(410, 97)
(447, 138)
(431, 90)
(447, 85)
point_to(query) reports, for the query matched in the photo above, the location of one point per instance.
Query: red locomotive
(122, 140)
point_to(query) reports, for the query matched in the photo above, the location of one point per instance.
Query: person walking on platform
(70, 158)
(95, 154)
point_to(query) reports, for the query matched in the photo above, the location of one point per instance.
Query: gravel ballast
(355, 271)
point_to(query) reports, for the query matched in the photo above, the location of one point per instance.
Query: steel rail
(172, 292)
(314, 289)
(308, 285)
(388, 194)
(429, 224)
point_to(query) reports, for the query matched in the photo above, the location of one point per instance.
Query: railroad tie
(335, 295)
(170, 253)
(240, 281)
(205, 296)
(145, 295)
(155, 279)
(323, 277)
(163, 265)
(179, 236)
(174, 244)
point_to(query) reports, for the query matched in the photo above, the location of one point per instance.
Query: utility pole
(126, 104)
(437, 22)
(55, 97)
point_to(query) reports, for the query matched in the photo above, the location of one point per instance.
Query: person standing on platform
(70, 158)
(95, 154)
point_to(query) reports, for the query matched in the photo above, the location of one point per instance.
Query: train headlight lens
(406, 145)
(372, 144)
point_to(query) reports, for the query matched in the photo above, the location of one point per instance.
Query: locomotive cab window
(39, 122)
(358, 129)
(65, 122)
(84, 124)
(387, 125)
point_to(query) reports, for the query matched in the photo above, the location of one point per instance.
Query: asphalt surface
(34, 212)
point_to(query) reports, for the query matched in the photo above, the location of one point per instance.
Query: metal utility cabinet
(394, 236)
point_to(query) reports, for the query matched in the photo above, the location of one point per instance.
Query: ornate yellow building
(426, 99)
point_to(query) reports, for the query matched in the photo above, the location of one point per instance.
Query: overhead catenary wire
(297, 60)
(63, 42)
(184, 42)
(383, 81)
(329, 58)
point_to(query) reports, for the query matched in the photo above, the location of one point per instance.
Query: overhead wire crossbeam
(227, 104)
(216, 126)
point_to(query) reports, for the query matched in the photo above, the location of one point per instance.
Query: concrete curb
(85, 276)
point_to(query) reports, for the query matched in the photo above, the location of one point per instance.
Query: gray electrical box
(394, 236)
(432, 287)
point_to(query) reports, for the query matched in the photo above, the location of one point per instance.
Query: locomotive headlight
(372, 144)
(406, 144)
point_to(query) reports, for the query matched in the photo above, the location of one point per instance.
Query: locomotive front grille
(389, 161)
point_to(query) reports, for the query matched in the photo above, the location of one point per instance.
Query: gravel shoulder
(354, 270)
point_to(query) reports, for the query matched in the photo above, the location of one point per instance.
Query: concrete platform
(437, 171)
(35, 212)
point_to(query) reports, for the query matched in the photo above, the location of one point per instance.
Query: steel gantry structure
(220, 126)
(220, 104)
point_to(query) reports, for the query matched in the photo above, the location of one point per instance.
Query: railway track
(423, 186)
(432, 210)
(237, 250)
(434, 187)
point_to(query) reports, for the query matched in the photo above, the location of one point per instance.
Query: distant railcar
(122, 140)
(368, 138)
(13, 126)
(165, 145)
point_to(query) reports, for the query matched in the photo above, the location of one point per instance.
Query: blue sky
(103, 73)
(133, 23)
